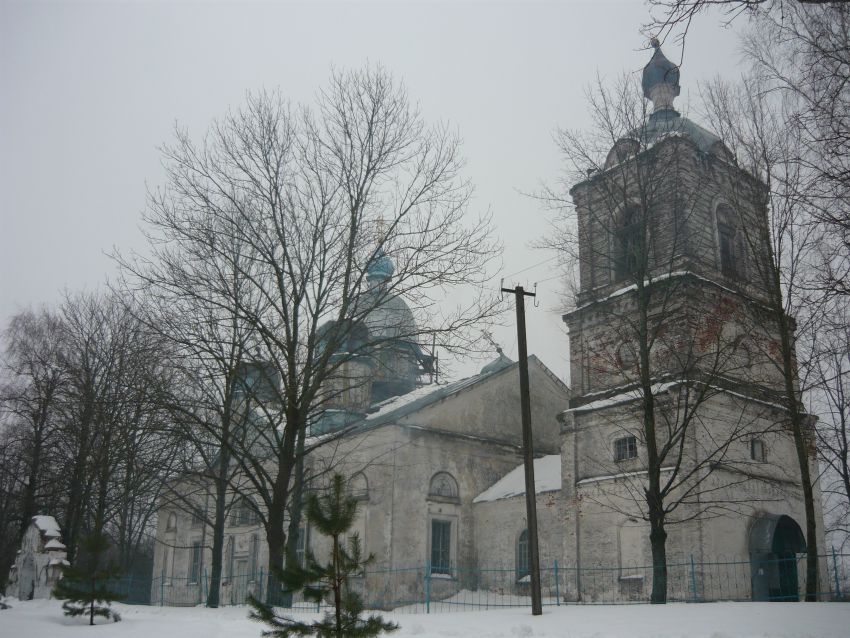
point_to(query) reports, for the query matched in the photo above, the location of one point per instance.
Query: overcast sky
(89, 90)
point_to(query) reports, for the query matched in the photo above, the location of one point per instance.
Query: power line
(545, 261)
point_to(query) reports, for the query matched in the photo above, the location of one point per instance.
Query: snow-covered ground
(44, 619)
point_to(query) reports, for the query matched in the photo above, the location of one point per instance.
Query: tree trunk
(275, 535)
(801, 444)
(337, 587)
(658, 542)
(220, 504)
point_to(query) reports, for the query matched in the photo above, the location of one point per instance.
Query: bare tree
(762, 130)
(830, 397)
(34, 375)
(311, 198)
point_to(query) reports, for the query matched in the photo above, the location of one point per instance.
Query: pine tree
(85, 587)
(332, 514)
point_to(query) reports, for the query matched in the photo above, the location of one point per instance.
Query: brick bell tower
(673, 242)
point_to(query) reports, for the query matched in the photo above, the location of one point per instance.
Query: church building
(670, 308)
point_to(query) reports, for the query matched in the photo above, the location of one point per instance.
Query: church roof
(547, 478)
(400, 406)
(47, 525)
(669, 123)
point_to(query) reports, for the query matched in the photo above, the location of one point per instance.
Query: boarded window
(358, 487)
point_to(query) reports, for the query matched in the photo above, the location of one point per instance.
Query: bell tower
(673, 350)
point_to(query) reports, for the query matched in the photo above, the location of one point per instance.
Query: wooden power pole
(528, 451)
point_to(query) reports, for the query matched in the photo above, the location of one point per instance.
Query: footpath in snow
(44, 619)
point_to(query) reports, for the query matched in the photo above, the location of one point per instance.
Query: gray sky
(90, 89)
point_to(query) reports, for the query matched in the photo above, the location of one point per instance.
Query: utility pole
(528, 451)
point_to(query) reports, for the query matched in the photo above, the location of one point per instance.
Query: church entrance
(775, 542)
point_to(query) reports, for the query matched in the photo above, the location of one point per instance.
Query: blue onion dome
(380, 268)
(660, 79)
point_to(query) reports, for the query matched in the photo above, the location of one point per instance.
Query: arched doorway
(775, 542)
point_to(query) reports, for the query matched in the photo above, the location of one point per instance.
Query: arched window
(244, 513)
(358, 487)
(628, 243)
(171, 524)
(731, 244)
(443, 485)
(626, 357)
(522, 561)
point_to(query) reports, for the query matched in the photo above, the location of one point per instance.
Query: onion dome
(660, 80)
(380, 268)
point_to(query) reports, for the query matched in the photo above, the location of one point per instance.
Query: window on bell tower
(730, 243)
(628, 244)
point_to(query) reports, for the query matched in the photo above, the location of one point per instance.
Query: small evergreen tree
(332, 514)
(85, 587)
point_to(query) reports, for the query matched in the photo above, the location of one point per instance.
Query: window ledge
(442, 576)
(633, 577)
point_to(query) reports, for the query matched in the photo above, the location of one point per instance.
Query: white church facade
(437, 467)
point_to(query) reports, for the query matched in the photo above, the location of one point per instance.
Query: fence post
(428, 587)
(161, 590)
(693, 581)
(557, 586)
(835, 571)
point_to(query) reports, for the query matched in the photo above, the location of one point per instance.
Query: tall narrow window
(522, 561)
(441, 547)
(730, 243)
(255, 553)
(628, 244)
(757, 452)
(195, 563)
(301, 546)
(229, 556)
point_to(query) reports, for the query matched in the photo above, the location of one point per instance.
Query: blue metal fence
(416, 589)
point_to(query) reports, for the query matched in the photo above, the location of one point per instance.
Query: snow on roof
(547, 478)
(648, 282)
(394, 403)
(624, 397)
(54, 543)
(47, 525)
(58, 561)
